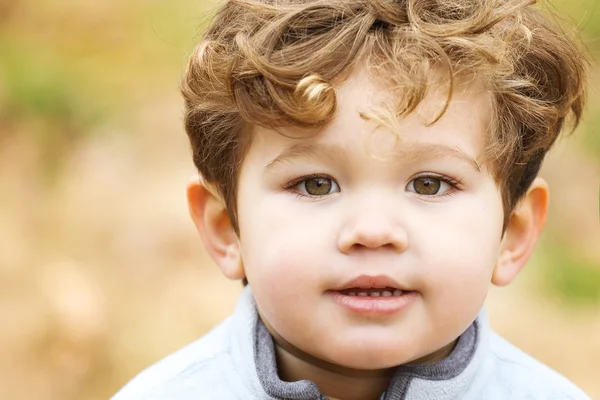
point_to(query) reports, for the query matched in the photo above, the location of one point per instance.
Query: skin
(375, 218)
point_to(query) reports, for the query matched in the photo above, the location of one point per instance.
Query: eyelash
(295, 182)
(455, 184)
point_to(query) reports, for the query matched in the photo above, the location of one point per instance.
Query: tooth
(386, 293)
(362, 294)
(397, 292)
(375, 294)
(352, 294)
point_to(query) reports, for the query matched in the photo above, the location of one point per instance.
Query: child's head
(379, 147)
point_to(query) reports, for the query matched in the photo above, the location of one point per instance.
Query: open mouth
(373, 292)
(372, 286)
(366, 297)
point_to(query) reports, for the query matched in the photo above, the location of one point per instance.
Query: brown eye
(314, 186)
(318, 186)
(427, 186)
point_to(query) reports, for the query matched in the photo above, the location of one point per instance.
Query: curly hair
(275, 63)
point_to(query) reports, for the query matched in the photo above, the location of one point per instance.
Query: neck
(334, 381)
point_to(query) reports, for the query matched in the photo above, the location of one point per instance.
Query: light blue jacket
(235, 361)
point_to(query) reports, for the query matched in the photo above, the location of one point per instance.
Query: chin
(370, 358)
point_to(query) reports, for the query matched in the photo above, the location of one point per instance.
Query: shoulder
(196, 369)
(519, 376)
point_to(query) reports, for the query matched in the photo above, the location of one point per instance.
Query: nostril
(372, 236)
(363, 247)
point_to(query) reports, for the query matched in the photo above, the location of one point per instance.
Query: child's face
(421, 215)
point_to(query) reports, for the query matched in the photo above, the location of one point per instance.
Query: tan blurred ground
(101, 271)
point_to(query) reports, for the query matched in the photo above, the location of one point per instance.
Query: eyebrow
(309, 151)
(410, 152)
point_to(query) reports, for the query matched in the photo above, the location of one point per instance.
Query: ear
(522, 232)
(210, 216)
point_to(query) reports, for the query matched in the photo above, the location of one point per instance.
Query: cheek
(464, 252)
(278, 226)
(283, 267)
(286, 246)
(281, 248)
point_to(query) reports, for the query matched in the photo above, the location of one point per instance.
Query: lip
(371, 281)
(373, 305)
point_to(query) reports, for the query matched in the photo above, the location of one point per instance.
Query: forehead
(365, 119)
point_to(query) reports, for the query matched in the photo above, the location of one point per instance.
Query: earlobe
(212, 221)
(522, 232)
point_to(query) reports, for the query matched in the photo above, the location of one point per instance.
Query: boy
(368, 168)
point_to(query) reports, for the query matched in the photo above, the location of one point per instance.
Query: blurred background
(101, 270)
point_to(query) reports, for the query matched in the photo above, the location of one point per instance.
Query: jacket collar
(254, 357)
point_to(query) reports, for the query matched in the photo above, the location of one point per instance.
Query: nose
(373, 226)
